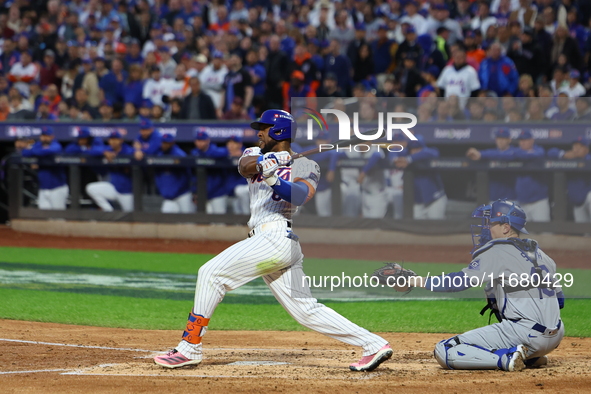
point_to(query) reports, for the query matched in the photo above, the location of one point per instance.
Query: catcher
(521, 288)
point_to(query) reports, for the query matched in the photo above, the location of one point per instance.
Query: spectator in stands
(212, 79)
(50, 73)
(583, 109)
(217, 193)
(119, 187)
(484, 19)
(384, 52)
(43, 112)
(23, 72)
(53, 98)
(155, 87)
(173, 183)
(258, 75)
(236, 111)
(167, 63)
(501, 185)
(148, 141)
(531, 189)
(81, 102)
(578, 186)
(459, 79)
(4, 107)
(564, 44)
(198, 104)
(88, 81)
(237, 83)
(277, 66)
(106, 111)
(410, 76)
(525, 87)
(134, 86)
(498, 73)
(574, 88)
(340, 66)
(439, 17)
(145, 110)
(297, 88)
(358, 41)
(564, 111)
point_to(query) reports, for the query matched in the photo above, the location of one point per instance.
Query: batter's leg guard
(453, 354)
(194, 331)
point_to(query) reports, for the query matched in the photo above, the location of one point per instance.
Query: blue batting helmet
(282, 123)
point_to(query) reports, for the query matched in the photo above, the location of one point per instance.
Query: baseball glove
(393, 275)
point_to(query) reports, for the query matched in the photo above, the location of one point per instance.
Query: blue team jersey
(501, 184)
(172, 182)
(50, 177)
(152, 144)
(216, 186)
(531, 187)
(120, 177)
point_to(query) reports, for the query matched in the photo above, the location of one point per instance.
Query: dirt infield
(415, 253)
(51, 358)
(119, 360)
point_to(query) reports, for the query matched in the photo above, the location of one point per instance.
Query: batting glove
(268, 168)
(283, 158)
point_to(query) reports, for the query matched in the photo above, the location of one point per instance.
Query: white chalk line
(210, 349)
(78, 346)
(365, 376)
(33, 371)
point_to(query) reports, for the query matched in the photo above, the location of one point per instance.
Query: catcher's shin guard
(194, 330)
(452, 354)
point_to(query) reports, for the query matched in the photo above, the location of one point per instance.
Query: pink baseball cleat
(174, 359)
(371, 362)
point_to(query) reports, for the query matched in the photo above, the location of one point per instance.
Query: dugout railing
(557, 171)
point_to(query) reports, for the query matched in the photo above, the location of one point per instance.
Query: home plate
(258, 363)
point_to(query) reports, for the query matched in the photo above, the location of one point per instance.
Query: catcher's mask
(481, 232)
(500, 211)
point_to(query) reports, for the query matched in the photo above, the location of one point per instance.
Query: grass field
(155, 291)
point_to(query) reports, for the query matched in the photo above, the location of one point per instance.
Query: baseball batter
(277, 187)
(528, 310)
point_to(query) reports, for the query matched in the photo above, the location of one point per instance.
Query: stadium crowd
(186, 59)
(144, 61)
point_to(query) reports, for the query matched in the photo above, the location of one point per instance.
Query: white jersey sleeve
(306, 170)
(254, 151)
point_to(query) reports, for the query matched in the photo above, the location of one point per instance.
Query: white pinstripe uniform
(273, 252)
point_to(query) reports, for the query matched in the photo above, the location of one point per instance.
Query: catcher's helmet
(282, 124)
(500, 211)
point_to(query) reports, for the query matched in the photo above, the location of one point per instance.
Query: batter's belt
(277, 225)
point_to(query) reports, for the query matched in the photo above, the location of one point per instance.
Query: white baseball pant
(351, 197)
(103, 192)
(278, 259)
(374, 204)
(53, 198)
(538, 211)
(435, 210)
(181, 204)
(395, 196)
(582, 213)
(218, 205)
(241, 203)
(323, 202)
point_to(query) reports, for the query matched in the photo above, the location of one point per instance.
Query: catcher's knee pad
(194, 330)
(452, 354)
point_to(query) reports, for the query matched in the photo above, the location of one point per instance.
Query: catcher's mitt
(394, 276)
